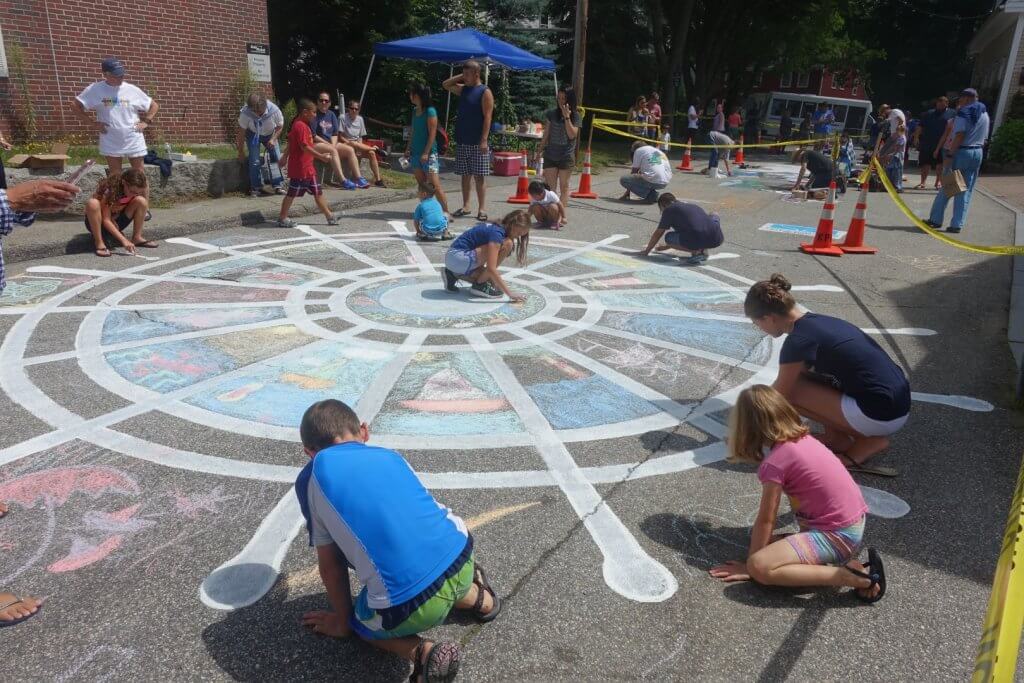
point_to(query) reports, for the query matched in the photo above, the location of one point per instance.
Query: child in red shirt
(301, 174)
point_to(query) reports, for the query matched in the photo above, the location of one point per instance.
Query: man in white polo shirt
(353, 130)
(122, 112)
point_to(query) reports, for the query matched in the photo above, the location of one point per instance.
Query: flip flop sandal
(13, 622)
(446, 235)
(876, 470)
(876, 576)
(148, 244)
(104, 252)
(482, 217)
(480, 580)
(459, 213)
(919, 187)
(441, 666)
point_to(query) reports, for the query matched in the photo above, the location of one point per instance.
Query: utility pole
(579, 49)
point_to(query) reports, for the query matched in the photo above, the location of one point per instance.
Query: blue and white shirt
(8, 219)
(369, 502)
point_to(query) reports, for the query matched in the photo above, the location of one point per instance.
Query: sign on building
(259, 61)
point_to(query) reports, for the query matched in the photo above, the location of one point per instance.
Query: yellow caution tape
(1000, 638)
(977, 248)
(607, 126)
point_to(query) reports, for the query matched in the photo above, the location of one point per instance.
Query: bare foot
(863, 587)
(624, 198)
(13, 608)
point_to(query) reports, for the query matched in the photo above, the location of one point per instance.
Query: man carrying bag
(970, 130)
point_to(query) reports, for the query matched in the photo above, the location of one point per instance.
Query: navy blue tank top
(469, 125)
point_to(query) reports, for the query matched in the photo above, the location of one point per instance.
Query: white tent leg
(362, 96)
(487, 72)
(448, 104)
(554, 75)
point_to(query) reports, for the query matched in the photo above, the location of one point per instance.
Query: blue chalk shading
(395, 418)
(576, 403)
(278, 392)
(803, 230)
(253, 271)
(665, 300)
(122, 326)
(170, 366)
(733, 339)
(21, 291)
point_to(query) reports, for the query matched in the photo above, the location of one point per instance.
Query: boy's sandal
(480, 580)
(877, 470)
(447, 235)
(103, 252)
(441, 666)
(482, 217)
(459, 213)
(876, 575)
(148, 244)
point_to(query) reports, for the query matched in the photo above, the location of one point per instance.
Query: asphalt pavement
(135, 470)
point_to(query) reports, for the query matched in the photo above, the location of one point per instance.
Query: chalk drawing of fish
(447, 391)
(306, 382)
(240, 393)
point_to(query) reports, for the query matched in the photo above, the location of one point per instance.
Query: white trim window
(837, 82)
(853, 88)
(787, 80)
(803, 79)
(4, 72)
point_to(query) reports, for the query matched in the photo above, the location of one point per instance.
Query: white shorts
(866, 425)
(460, 262)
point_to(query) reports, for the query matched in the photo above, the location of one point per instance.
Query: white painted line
(345, 249)
(671, 313)
(963, 402)
(911, 331)
(572, 253)
(628, 569)
(127, 275)
(247, 576)
(408, 237)
(292, 265)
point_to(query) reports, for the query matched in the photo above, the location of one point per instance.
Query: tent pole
(448, 104)
(362, 96)
(554, 74)
(487, 72)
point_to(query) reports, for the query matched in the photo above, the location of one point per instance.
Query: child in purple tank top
(766, 430)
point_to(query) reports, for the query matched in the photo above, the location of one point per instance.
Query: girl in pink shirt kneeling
(766, 430)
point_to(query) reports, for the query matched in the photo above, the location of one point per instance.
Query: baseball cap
(969, 92)
(112, 66)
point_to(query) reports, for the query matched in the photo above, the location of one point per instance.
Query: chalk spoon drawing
(246, 336)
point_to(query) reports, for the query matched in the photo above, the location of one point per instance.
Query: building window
(787, 80)
(853, 88)
(837, 82)
(3, 57)
(803, 79)
(757, 78)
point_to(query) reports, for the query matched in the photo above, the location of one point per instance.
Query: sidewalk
(1008, 190)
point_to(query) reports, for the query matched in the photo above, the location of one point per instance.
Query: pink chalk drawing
(448, 391)
(52, 488)
(182, 363)
(191, 505)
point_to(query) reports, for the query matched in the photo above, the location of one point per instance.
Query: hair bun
(780, 281)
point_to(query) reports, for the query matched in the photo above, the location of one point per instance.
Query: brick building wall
(186, 54)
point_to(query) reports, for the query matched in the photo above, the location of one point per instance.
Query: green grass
(80, 153)
(398, 181)
(604, 154)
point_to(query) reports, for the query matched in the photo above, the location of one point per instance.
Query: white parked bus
(852, 115)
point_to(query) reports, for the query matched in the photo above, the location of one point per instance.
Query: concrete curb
(1015, 321)
(71, 238)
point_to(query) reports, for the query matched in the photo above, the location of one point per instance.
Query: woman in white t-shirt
(123, 111)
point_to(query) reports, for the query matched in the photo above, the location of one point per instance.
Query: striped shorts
(837, 547)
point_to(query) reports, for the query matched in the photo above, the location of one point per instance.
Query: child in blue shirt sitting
(429, 219)
(366, 509)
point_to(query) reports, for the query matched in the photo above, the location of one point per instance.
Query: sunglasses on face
(325, 99)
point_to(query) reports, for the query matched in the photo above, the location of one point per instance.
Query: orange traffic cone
(739, 153)
(522, 195)
(823, 236)
(854, 243)
(584, 191)
(687, 163)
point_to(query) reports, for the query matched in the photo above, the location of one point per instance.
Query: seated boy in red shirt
(301, 174)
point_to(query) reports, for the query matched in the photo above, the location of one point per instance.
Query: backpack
(442, 141)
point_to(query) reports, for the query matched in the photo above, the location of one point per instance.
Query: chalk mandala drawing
(237, 337)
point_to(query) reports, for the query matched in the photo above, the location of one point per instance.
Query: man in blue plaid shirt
(18, 206)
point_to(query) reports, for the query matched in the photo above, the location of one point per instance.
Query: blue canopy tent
(459, 46)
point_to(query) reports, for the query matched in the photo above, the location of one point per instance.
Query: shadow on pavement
(265, 642)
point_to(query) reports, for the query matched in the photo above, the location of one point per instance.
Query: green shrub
(1008, 142)
(243, 85)
(290, 110)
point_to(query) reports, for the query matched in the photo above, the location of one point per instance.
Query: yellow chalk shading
(310, 578)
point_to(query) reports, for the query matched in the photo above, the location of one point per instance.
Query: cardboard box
(54, 161)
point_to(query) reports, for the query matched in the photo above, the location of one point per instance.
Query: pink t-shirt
(821, 491)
